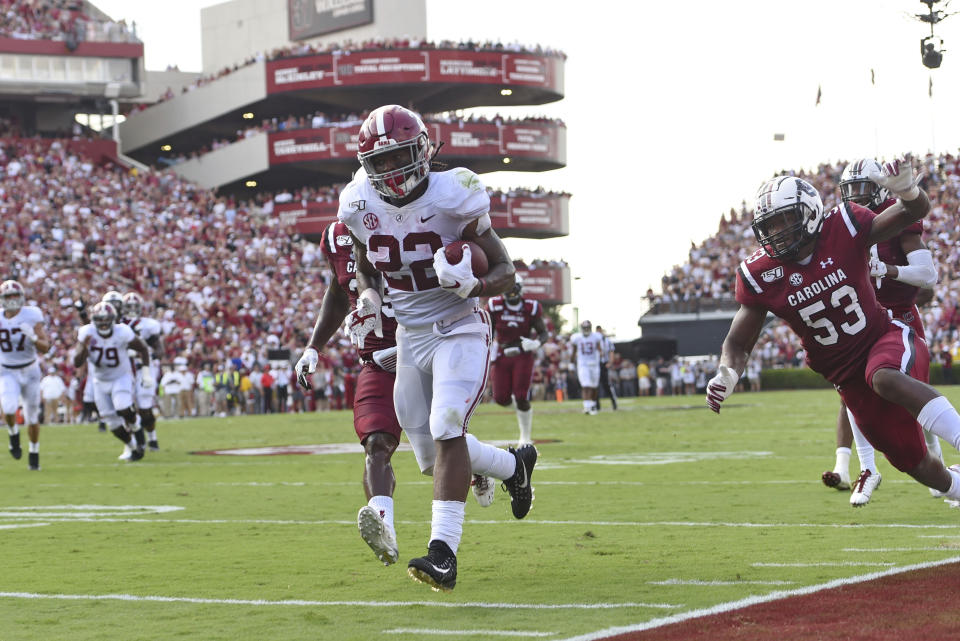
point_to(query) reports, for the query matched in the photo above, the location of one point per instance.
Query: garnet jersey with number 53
(401, 241)
(830, 301)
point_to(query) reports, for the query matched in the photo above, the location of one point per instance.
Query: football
(454, 253)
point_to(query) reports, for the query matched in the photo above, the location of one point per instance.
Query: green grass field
(652, 511)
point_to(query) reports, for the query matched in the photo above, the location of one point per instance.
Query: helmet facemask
(103, 318)
(865, 193)
(782, 232)
(132, 306)
(394, 169)
(11, 296)
(513, 296)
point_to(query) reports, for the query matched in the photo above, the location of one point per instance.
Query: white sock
(933, 444)
(940, 418)
(13, 431)
(34, 447)
(525, 421)
(865, 451)
(447, 523)
(586, 406)
(843, 461)
(152, 435)
(954, 491)
(487, 460)
(384, 506)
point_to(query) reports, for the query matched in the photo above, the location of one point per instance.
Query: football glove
(458, 278)
(365, 318)
(720, 387)
(305, 366)
(878, 268)
(897, 176)
(529, 344)
(27, 330)
(512, 351)
(149, 382)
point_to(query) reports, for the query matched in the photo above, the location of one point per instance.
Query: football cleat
(33, 459)
(125, 454)
(378, 535)
(483, 489)
(836, 480)
(863, 488)
(438, 569)
(518, 485)
(136, 454)
(15, 450)
(153, 446)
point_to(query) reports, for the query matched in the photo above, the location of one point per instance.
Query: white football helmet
(115, 298)
(103, 317)
(586, 327)
(789, 213)
(12, 295)
(513, 295)
(856, 187)
(132, 305)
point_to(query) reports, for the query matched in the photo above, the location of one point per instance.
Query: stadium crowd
(67, 20)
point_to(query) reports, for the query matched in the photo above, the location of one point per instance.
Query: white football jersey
(588, 347)
(15, 348)
(108, 356)
(144, 327)
(401, 241)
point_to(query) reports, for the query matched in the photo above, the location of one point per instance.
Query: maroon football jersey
(337, 246)
(891, 293)
(830, 302)
(512, 324)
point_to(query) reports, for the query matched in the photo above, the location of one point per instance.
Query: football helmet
(394, 150)
(512, 296)
(103, 317)
(788, 214)
(115, 298)
(13, 296)
(132, 305)
(586, 327)
(856, 187)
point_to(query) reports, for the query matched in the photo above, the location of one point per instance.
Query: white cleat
(937, 494)
(483, 489)
(125, 455)
(863, 488)
(378, 535)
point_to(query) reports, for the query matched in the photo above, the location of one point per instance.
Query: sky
(671, 110)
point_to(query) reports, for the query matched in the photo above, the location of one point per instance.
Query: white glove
(149, 382)
(512, 351)
(878, 268)
(365, 318)
(305, 366)
(720, 387)
(898, 177)
(529, 344)
(27, 330)
(457, 278)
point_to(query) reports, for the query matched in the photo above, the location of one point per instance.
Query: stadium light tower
(930, 54)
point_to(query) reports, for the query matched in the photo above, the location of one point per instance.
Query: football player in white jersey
(586, 354)
(23, 338)
(104, 344)
(401, 216)
(149, 331)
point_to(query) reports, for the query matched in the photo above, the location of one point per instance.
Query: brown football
(454, 253)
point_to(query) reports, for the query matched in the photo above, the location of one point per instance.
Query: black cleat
(518, 485)
(136, 454)
(34, 461)
(153, 446)
(438, 569)
(15, 450)
(101, 426)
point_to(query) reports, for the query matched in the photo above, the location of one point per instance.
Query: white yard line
(368, 604)
(458, 633)
(824, 564)
(712, 583)
(753, 600)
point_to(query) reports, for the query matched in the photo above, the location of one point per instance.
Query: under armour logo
(824, 263)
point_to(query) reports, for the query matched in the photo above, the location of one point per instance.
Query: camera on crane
(931, 55)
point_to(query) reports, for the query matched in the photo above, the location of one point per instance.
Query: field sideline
(641, 517)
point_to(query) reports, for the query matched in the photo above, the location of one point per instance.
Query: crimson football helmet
(103, 317)
(115, 298)
(132, 305)
(394, 150)
(512, 296)
(12, 295)
(788, 214)
(856, 187)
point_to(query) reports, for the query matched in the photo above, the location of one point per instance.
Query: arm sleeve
(920, 271)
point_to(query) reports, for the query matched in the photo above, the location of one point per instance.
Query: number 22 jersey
(829, 302)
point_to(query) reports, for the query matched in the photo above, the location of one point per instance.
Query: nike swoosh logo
(424, 219)
(526, 481)
(439, 570)
(456, 285)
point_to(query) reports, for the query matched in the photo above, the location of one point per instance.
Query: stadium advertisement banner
(472, 140)
(308, 18)
(394, 66)
(507, 214)
(549, 285)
